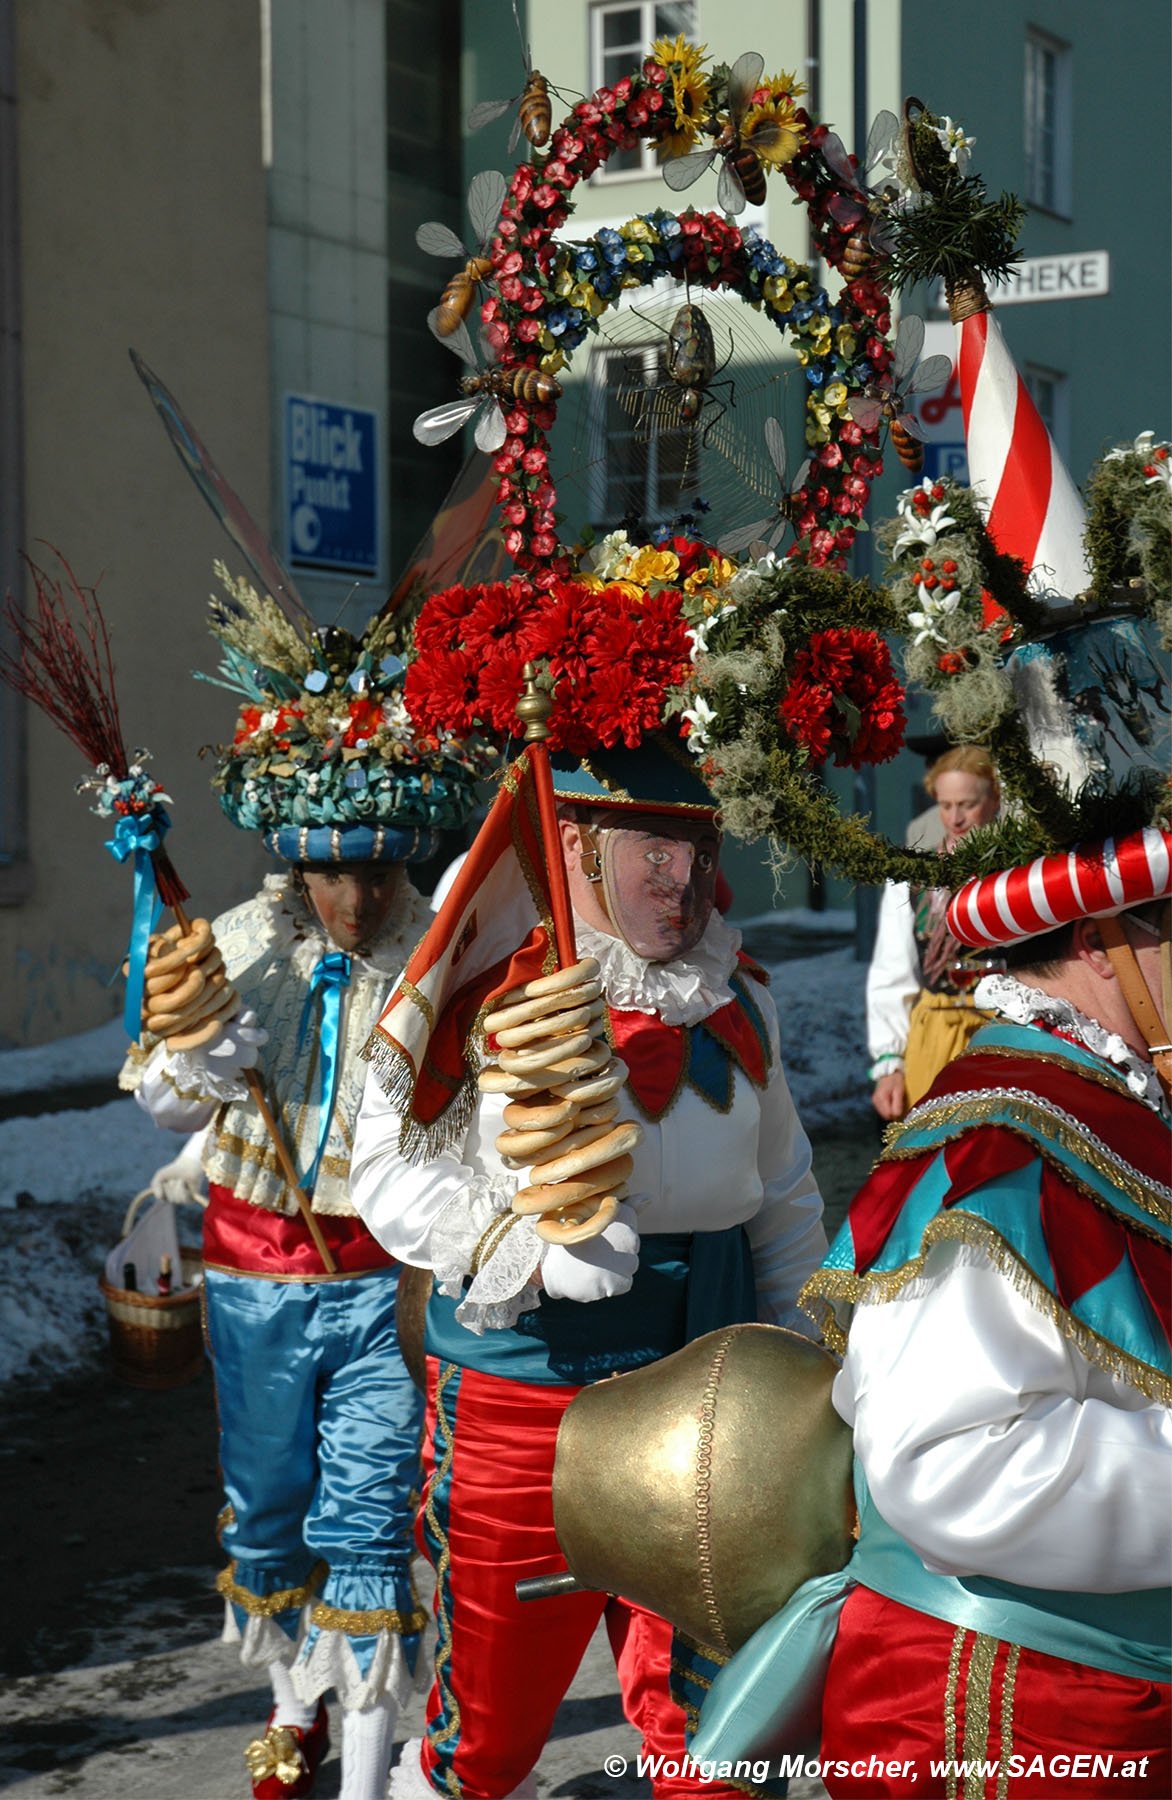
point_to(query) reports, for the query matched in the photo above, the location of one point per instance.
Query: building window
(1050, 390)
(644, 458)
(621, 34)
(1048, 122)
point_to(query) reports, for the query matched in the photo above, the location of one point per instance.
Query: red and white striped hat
(1092, 881)
(1034, 512)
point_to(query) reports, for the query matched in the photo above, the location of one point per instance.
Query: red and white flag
(1032, 506)
(493, 931)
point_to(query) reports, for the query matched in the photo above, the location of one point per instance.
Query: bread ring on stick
(598, 1115)
(538, 1058)
(173, 1018)
(520, 1147)
(540, 1113)
(574, 1224)
(492, 1079)
(507, 1018)
(594, 1087)
(159, 986)
(547, 1196)
(586, 1149)
(205, 1033)
(579, 1065)
(195, 944)
(546, 1030)
(180, 993)
(561, 979)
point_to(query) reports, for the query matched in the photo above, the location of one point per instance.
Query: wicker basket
(156, 1340)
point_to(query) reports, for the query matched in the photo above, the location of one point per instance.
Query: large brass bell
(709, 1486)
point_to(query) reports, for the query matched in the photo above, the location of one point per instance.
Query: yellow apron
(939, 1029)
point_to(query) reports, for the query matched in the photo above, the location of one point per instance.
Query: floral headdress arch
(769, 668)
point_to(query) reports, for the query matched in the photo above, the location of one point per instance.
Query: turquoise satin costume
(1030, 1147)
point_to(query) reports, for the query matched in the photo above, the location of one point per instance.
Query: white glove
(182, 1180)
(215, 1071)
(598, 1268)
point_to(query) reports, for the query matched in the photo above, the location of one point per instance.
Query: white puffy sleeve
(786, 1234)
(995, 1448)
(893, 980)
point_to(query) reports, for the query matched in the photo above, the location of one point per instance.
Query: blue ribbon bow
(329, 981)
(137, 834)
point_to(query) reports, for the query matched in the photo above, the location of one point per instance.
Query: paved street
(119, 1689)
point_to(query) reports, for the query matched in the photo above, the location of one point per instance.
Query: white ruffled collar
(293, 919)
(681, 992)
(1025, 1005)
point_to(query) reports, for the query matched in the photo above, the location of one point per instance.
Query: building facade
(233, 189)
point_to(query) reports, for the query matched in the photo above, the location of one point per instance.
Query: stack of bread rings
(187, 997)
(563, 1080)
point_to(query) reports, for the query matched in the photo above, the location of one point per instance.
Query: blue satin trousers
(320, 1429)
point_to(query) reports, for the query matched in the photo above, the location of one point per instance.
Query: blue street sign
(331, 486)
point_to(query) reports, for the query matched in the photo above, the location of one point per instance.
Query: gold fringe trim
(828, 1286)
(361, 1624)
(1031, 1118)
(1108, 1077)
(269, 1605)
(395, 1074)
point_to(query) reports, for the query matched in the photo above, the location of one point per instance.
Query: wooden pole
(254, 1081)
(535, 707)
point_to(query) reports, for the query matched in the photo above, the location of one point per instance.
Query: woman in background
(919, 1013)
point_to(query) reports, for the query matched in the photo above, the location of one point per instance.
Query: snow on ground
(67, 1177)
(90, 1056)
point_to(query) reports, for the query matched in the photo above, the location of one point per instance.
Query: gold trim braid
(977, 1693)
(828, 1287)
(957, 1113)
(363, 1624)
(267, 1606)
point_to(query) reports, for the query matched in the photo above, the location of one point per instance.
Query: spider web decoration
(630, 460)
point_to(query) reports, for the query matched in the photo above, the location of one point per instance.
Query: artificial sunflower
(689, 91)
(771, 130)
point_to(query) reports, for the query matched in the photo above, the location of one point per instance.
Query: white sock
(287, 1708)
(367, 1740)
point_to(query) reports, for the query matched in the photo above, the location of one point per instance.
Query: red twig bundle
(64, 665)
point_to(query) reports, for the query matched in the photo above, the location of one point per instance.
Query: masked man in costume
(717, 1220)
(1000, 1290)
(319, 1421)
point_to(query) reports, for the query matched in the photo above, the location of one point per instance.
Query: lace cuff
(477, 1234)
(217, 1073)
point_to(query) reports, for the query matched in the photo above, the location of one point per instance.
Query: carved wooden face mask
(659, 883)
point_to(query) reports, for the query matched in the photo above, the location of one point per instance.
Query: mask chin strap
(1136, 996)
(590, 863)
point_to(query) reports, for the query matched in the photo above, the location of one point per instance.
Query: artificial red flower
(248, 724)
(365, 717)
(856, 666)
(440, 691)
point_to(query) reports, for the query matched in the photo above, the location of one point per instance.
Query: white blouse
(994, 1447)
(697, 1169)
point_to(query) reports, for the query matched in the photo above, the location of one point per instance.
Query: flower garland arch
(549, 294)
